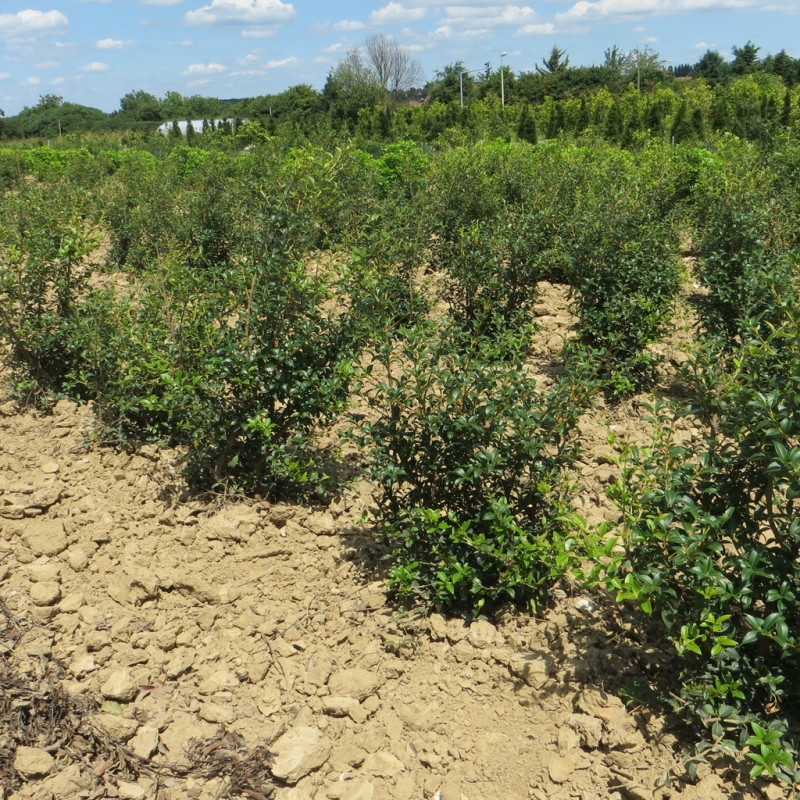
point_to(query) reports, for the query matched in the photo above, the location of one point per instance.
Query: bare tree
(396, 71)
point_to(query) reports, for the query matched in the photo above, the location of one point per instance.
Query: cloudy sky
(95, 51)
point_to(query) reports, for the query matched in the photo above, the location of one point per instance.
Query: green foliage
(625, 271)
(526, 127)
(237, 364)
(470, 460)
(492, 270)
(139, 207)
(710, 535)
(746, 238)
(51, 117)
(46, 234)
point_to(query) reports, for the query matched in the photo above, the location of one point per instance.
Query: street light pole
(502, 81)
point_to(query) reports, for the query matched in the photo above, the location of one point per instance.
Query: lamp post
(502, 81)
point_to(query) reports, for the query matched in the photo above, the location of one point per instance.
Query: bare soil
(162, 650)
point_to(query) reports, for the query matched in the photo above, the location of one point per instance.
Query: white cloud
(109, 44)
(248, 12)
(587, 10)
(396, 13)
(348, 25)
(187, 43)
(57, 81)
(537, 29)
(259, 33)
(490, 16)
(33, 81)
(286, 62)
(48, 64)
(204, 69)
(160, 2)
(481, 20)
(95, 66)
(31, 23)
(4, 76)
(336, 47)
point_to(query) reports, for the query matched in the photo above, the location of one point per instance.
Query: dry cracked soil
(159, 650)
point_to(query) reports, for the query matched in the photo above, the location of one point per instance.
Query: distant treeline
(628, 96)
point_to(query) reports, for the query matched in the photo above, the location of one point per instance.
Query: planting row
(230, 305)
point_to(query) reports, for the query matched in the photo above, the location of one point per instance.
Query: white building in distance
(198, 125)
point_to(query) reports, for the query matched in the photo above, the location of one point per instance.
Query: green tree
(52, 117)
(526, 128)
(351, 86)
(140, 106)
(713, 67)
(682, 129)
(556, 124)
(556, 62)
(173, 106)
(699, 124)
(584, 119)
(784, 66)
(786, 111)
(446, 86)
(615, 124)
(745, 59)
(615, 60)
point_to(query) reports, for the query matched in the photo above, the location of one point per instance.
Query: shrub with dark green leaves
(239, 365)
(492, 270)
(46, 233)
(625, 272)
(471, 461)
(746, 238)
(139, 202)
(710, 534)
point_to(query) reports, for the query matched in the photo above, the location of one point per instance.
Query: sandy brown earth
(162, 650)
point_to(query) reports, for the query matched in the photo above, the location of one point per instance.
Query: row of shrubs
(238, 300)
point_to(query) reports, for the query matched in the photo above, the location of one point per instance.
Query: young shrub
(239, 365)
(46, 234)
(471, 461)
(625, 272)
(139, 202)
(492, 270)
(466, 185)
(708, 544)
(746, 238)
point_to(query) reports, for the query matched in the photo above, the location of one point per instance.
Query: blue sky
(95, 51)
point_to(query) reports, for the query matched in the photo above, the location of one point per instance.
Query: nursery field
(454, 473)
